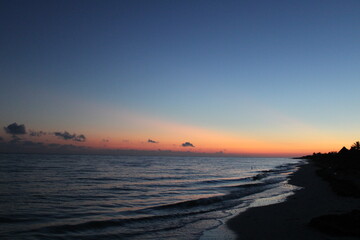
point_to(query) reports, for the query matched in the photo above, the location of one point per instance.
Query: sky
(275, 78)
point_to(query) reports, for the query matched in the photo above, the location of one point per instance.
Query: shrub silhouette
(356, 146)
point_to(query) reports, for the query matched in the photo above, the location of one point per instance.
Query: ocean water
(132, 197)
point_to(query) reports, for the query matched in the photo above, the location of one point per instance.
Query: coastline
(290, 219)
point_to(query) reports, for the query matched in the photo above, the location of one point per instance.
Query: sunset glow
(168, 74)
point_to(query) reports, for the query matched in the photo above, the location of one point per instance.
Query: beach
(290, 219)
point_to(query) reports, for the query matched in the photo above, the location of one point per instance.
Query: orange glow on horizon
(127, 130)
(209, 141)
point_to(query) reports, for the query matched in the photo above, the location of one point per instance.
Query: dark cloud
(187, 144)
(105, 140)
(36, 133)
(1, 139)
(15, 129)
(67, 136)
(80, 138)
(152, 141)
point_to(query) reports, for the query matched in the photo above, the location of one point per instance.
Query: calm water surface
(130, 197)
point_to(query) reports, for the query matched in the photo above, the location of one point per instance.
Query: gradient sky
(276, 77)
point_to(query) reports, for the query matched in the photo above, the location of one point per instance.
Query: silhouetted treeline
(341, 169)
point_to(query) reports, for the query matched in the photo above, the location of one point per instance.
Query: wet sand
(289, 220)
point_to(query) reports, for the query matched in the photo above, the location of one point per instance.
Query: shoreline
(290, 219)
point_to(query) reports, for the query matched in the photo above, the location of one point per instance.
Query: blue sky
(259, 69)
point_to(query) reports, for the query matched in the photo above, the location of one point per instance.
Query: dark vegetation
(342, 170)
(346, 224)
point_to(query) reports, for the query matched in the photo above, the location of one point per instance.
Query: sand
(289, 219)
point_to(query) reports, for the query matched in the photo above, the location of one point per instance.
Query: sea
(134, 197)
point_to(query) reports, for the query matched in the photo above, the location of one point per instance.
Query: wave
(202, 201)
(190, 207)
(172, 211)
(102, 224)
(98, 213)
(224, 180)
(5, 220)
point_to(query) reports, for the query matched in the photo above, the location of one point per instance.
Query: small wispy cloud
(67, 136)
(187, 144)
(152, 141)
(33, 133)
(80, 138)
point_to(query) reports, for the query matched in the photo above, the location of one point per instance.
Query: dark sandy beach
(290, 219)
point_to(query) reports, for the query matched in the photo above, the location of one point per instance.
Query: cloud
(1, 139)
(105, 140)
(67, 136)
(36, 133)
(187, 144)
(80, 138)
(152, 141)
(15, 129)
